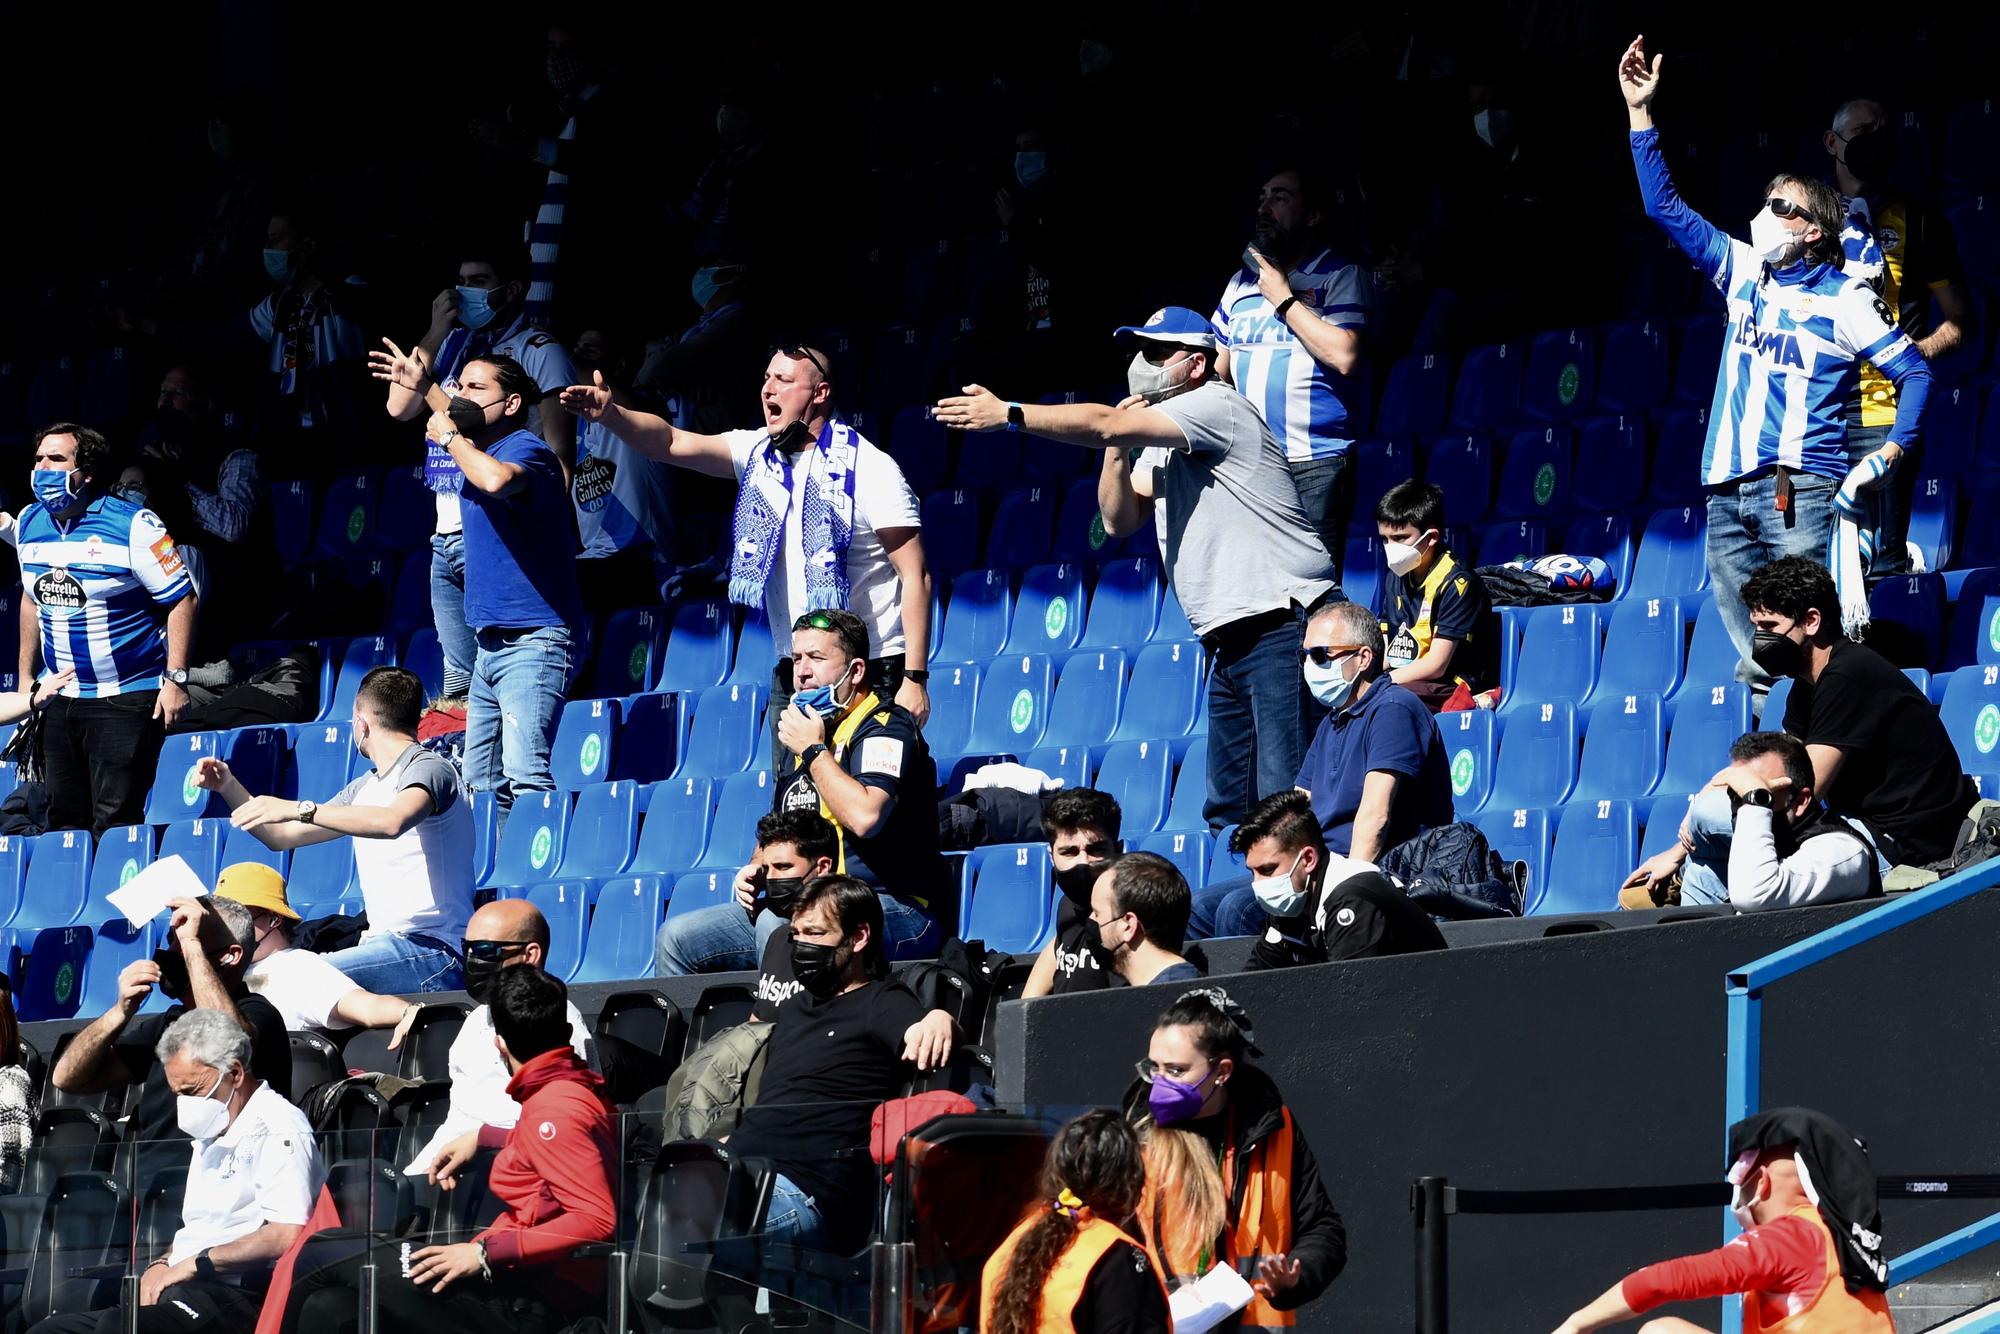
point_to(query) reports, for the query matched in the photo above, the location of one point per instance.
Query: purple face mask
(1173, 1102)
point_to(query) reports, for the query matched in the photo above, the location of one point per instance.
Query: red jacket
(554, 1171)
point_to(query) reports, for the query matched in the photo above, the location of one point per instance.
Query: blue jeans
(1746, 533)
(519, 678)
(448, 611)
(1260, 716)
(793, 1218)
(1711, 823)
(1226, 908)
(1326, 491)
(393, 965)
(722, 939)
(1888, 505)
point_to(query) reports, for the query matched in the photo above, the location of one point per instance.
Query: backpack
(1450, 873)
(715, 1085)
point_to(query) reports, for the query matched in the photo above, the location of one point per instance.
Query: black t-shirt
(1077, 969)
(1898, 772)
(775, 983)
(1121, 1295)
(270, 1061)
(830, 1062)
(888, 752)
(1460, 611)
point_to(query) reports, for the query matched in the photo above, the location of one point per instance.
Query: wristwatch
(204, 1265)
(178, 675)
(1016, 419)
(921, 675)
(811, 753)
(307, 810)
(1758, 797)
(1284, 306)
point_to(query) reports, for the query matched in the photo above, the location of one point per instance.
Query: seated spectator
(253, 1174)
(311, 995)
(411, 823)
(1879, 754)
(504, 934)
(859, 763)
(555, 1173)
(845, 1045)
(20, 1099)
(1082, 826)
(792, 848)
(1376, 771)
(1757, 837)
(1444, 635)
(624, 500)
(203, 970)
(1322, 906)
(1138, 920)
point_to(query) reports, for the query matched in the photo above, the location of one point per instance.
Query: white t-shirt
(264, 1169)
(882, 500)
(479, 1082)
(302, 987)
(420, 882)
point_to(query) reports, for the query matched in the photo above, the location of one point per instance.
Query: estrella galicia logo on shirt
(58, 590)
(1779, 345)
(594, 477)
(801, 796)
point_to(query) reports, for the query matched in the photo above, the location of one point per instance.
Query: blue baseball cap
(1174, 324)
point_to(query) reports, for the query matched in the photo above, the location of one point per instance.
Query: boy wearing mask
(1444, 636)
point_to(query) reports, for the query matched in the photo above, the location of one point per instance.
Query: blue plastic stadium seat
(1190, 789)
(1776, 702)
(322, 872)
(54, 958)
(1558, 657)
(756, 651)
(1609, 475)
(347, 517)
(1012, 711)
(989, 461)
(1906, 620)
(324, 760)
(410, 599)
(1415, 395)
(1125, 606)
(1488, 394)
(16, 851)
(57, 884)
(1951, 430)
(1137, 773)
(651, 729)
(565, 906)
(697, 890)
(1048, 615)
(675, 829)
(240, 845)
(1379, 465)
(1643, 645)
(1624, 749)
(1088, 695)
(1597, 845)
(406, 513)
(1971, 715)
(1975, 619)
(110, 384)
(292, 507)
(196, 842)
(1163, 693)
(1696, 360)
(952, 524)
(1934, 518)
(1069, 763)
(423, 657)
(726, 734)
(1609, 539)
(921, 448)
(1470, 740)
(1363, 570)
(1189, 849)
(586, 742)
(1019, 536)
(531, 842)
(1079, 530)
(1560, 382)
(622, 928)
(1707, 721)
(1520, 834)
(1173, 625)
(1536, 765)
(629, 652)
(1498, 543)
(115, 943)
(1663, 823)
(1007, 897)
(1463, 465)
(603, 831)
(1226, 860)
(1711, 655)
(977, 616)
(1672, 560)
(1677, 453)
(123, 852)
(360, 657)
(485, 823)
(1632, 377)
(698, 648)
(954, 690)
(254, 754)
(1979, 546)
(741, 801)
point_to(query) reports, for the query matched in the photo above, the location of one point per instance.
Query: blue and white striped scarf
(1852, 548)
(826, 519)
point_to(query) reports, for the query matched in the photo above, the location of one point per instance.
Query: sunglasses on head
(491, 951)
(816, 620)
(800, 352)
(1325, 655)
(1785, 208)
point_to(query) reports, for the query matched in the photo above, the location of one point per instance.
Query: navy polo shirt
(1391, 730)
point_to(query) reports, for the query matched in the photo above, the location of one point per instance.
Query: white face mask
(1403, 557)
(1771, 239)
(202, 1117)
(1280, 897)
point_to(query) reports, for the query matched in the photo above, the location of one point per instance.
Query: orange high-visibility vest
(1263, 1225)
(1835, 1310)
(1063, 1288)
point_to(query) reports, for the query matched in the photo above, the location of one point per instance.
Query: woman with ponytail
(1070, 1267)
(1229, 1179)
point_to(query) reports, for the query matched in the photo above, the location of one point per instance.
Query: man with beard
(1082, 827)
(1138, 920)
(1288, 334)
(1247, 564)
(624, 500)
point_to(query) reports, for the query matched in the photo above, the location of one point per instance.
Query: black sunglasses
(491, 951)
(1325, 655)
(1785, 208)
(799, 351)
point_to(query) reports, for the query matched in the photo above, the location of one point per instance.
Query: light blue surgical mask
(820, 700)
(278, 264)
(1329, 684)
(56, 490)
(475, 308)
(704, 286)
(1280, 897)
(1030, 167)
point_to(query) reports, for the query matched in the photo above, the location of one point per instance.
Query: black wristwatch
(1016, 419)
(1758, 797)
(921, 675)
(178, 675)
(811, 753)
(1283, 306)
(204, 1266)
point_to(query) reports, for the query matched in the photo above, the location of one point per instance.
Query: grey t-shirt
(1236, 539)
(420, 882)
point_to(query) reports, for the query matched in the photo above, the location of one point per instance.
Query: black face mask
(1869, 156)
(792, 437)
(818, 968)
(467, 417)
(479, 975)
(1076, 881)
(1778, 654)
(173, 974)
(1092, 935)
(781, 894)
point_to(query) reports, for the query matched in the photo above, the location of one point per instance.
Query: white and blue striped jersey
(1792, 353)
(102, 584)
(1314, 412)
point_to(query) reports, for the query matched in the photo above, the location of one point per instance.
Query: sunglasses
(1325, 655)
(816, 620)
(1785, 208)
(491, 951)
(800, 352)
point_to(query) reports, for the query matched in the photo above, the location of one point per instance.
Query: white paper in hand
(146, 895)
(1209, 1300)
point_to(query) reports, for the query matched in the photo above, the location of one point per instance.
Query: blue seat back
(741, 801)
(56, 957)
(324, 759)
(954, 695)
(240, 845)
(1415, 395)
(652, 728)
(921, 448)
(726, 734)
(1163, 694)
(1517, 539)
(1048, 616)
(603, 831)
(699, 647)
(1934, 519)
(196, 842)
(1087, 698)
(1624, 749)
(1982, 615)
(1609, 472)
(1007, 897)
(292, 505)
(565, 907)
(1707, 721)
(1079, 530)
(1470, 745)
(586, 742)
(1379, 465)
(951, 523)
(629, 652)
(1663, 823)
(756, 650)
(1021, 523)
(1534, 479)
(115, 943)
(1012, 711)
(360, 657)
(1643, 647)
(1596, 847)
(1468, 461)
(1125, 606)
(174, 795)
(406, 512)
(700, 889)
(1632, 377)
(1609, 539)
(1488, 392)
(123, 852)
(1906, 619)
(1558, 657)
(1672, 559)
(622, 929)
(323, 873)
(1971, 716)
(977, 616)
(1173, 625)
(1537, 759)
(1364, 569)
(1520, 834)
(1137, 773)
(57, 885)
(347, 518)
(675, 830)
(1696, 362)
(423, 657)
(1560, 382)
(532, 840)
(1189, 849)
(1190, 789)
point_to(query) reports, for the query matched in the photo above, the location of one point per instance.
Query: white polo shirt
(264, 1169)
(303, 987)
